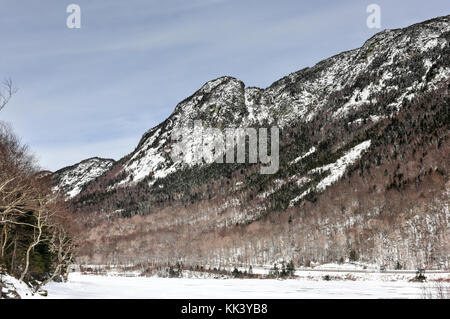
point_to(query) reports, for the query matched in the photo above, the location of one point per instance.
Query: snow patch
(311, 150)
(336, 170)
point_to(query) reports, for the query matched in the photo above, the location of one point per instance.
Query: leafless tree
(62, 245)
(42, 216)
(6, 92)
(29, 213)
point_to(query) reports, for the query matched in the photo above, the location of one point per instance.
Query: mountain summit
(363, 168)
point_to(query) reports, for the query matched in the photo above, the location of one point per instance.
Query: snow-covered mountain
(70, 180)
(362, 73)
(362, 134)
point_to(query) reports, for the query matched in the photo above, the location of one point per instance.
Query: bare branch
(7, 90)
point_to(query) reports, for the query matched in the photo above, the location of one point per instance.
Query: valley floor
(111, 287)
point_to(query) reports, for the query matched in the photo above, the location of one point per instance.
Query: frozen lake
(93, 286)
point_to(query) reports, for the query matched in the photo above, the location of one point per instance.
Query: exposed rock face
(364, 159)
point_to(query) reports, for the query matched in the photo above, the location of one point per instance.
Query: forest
(36, 245)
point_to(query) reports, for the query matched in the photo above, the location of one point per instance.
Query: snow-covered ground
(12, 287)
(94, 286)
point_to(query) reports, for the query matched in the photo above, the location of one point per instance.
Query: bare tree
(28, 210)
(63, 247)
(6, 92)
(16, 189)
(42, 216)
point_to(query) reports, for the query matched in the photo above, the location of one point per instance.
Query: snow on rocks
(12, 288)
(71, 180)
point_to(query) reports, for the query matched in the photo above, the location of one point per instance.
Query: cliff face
(364, 156)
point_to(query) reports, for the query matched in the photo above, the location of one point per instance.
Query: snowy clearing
(112, 287)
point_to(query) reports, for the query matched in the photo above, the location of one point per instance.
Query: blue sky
(94, 91)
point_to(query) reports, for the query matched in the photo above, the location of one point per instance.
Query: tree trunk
(27, 256)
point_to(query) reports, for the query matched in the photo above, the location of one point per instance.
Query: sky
(94, 91)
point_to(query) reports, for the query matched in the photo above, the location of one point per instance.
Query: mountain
(363, 170)
(70, 180)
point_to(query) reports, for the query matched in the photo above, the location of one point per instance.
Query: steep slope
(363, 168)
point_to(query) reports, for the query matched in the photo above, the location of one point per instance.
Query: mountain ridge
(228, 78)
(369, 122)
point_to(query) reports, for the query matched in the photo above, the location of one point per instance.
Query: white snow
(73, 179)
(12, 284)
(363, 97)
(111, 287)
(311, 150)
(336, 169)
(372, 118)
